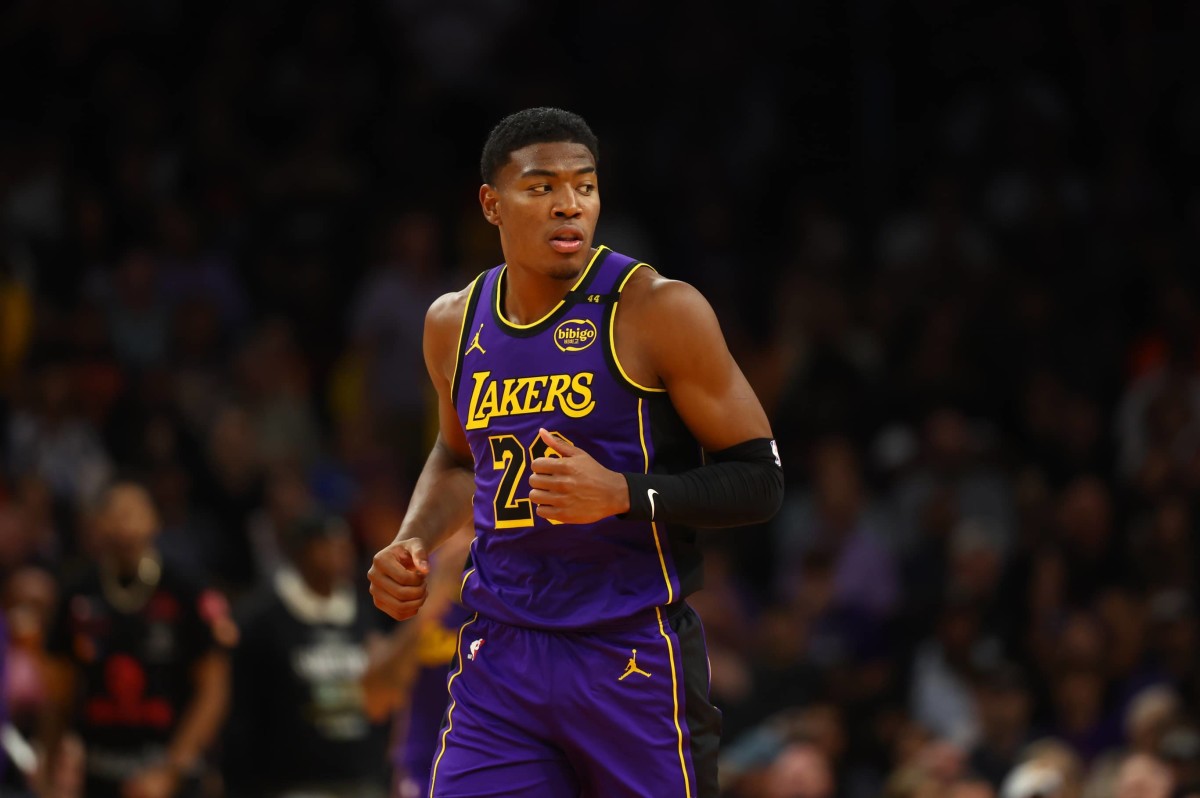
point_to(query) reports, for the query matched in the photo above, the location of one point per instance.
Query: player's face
(545, 201)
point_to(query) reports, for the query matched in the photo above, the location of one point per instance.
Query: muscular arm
(54, 720)
(205, 713)
(668, 337)
(743, 482)
(198, 727)
(687, 356)
(441, 500)
(392, 662)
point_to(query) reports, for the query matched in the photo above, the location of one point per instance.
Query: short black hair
(533, 126)
(312, 526)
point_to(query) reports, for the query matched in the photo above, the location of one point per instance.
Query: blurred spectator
(1033, 780)
(951, 463)
(189, 274)
(1085, 526)
(16, 318)
(837, 520)
(795, 748)
(1148, 717)
(1158, 424)
(1173, 643)
(944, 669)
(778, 672)
(937, 770)
(299, 721)
(48, 438)
(137, 313)
(29, 599)
(1180, 749)
(4, 666)
(730, 626)
(274, 380)
(799, 771)
(1005, 706)
(819, 372)
(199, 344)
(1082, 716)
(1048, 764)
(1062, 428)
(960, 558)
(232, 488)
(1165, 554)
(387, 322)
(1143, 776)
(137, 663)
(967, 788)
(28, 525)
(288, 500)
(936, 238)
(188, 531)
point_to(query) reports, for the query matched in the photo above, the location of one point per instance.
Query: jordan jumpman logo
(475, 343)
(632, 667)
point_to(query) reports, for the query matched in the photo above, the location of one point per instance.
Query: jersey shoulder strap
(466, 325)
(604, 287)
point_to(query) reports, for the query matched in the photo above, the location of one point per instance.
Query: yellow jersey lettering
(474, 420)
(510, 404)
(523, 395)
(483, 410)
(579, 402)
(533, 386)
(559, 383)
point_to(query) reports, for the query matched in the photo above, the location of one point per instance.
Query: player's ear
(489, 200)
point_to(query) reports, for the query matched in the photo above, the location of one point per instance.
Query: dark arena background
(954, 246)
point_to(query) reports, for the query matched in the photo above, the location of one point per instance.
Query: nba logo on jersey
(475, 646)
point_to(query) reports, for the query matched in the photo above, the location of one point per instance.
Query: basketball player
(577, 390)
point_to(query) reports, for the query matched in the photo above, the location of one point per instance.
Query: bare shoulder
(664, 328)
(447, 309)
(443, 323)
(668, 306)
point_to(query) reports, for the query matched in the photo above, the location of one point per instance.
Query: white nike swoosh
(651, 494)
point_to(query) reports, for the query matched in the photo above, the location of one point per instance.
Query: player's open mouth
(566, 240)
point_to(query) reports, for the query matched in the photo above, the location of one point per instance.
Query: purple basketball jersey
(562, 373)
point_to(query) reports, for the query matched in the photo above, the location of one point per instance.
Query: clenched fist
(397, 577)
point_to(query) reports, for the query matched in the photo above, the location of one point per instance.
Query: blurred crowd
(954, 249)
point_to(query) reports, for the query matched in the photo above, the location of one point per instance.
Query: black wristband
(744, 485)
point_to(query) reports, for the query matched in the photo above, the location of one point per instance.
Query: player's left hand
(155, 782)
(571, 487)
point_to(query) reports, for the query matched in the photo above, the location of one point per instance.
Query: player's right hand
(397, 577)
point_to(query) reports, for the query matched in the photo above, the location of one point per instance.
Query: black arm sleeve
(743, 485)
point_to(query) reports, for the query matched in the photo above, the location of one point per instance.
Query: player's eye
(541, 188)
(587, 189)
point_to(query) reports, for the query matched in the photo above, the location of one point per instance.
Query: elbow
(773, 498)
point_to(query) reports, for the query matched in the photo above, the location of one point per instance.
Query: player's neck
(529, 294)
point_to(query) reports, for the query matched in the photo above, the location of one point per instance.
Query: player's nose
(566, 204)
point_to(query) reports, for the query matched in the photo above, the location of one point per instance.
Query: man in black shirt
(137, 663)
(299, 723)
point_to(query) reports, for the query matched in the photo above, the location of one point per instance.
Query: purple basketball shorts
(621, 712)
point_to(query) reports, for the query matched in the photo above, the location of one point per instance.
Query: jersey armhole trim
(610, 349)
(468, 314)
